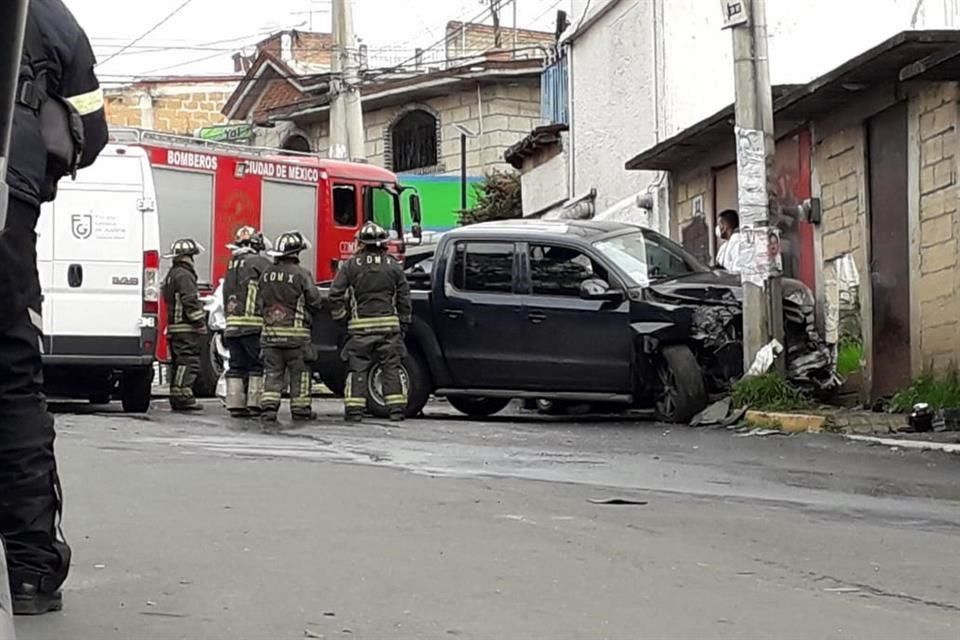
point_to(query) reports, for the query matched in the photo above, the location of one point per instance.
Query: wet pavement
(443, 526)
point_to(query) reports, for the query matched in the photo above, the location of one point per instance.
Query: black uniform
(288, 298)
(371, 292)
(58, 63)
(240, 289)
(186, 328)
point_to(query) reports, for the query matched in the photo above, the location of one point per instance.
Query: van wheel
(681, 393)
(478, 407)
(135, 390)
(415, 379)
(211, 366)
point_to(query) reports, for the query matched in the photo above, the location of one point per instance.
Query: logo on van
(81, 224)
(125, 281)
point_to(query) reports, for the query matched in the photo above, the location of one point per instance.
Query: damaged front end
(717, 330)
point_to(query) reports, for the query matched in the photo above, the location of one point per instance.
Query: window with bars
(414, 141)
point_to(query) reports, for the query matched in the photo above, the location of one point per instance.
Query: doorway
(889, 250)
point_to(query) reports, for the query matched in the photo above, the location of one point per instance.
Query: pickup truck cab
(542, 310)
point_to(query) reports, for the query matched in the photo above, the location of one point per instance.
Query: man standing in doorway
(728, 230)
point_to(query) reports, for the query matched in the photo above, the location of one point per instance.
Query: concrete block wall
(839, 169)
(938, 282)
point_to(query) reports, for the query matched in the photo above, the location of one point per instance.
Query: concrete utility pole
(347, 138)
(756, 146)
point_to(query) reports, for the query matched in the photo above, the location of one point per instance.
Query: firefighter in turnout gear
(242, 336)
(186, 324)
(287, 301)
(371, 293)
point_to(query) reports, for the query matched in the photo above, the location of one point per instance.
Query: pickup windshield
(646, 257)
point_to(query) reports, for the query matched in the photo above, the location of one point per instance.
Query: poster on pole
(751, 177)
(735, 13)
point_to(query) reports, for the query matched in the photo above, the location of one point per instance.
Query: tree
(498, 198)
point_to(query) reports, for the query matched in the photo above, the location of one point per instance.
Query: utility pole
(347, 139)
(756, 146)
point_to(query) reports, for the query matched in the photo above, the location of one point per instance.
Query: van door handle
(453, 314)
(75, 275)
(536, 317)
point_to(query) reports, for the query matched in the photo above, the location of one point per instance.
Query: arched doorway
(414, 141)
(296, 142)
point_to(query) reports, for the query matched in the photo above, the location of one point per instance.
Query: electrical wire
(146, 33)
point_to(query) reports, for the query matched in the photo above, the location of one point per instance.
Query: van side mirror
(597, 289)
(417, 232)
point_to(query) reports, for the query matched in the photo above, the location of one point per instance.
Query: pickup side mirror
(597, 289)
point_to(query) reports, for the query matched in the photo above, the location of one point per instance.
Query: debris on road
(713, 415)
(311, 634)
(618, 501)
(842, 590)
(759, 433)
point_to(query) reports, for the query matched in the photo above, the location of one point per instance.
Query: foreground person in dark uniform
(58, 127)
(371, 292)
(241, 287)
(186, 324)
(288, 299)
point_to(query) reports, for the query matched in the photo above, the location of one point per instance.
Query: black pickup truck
(576, 311)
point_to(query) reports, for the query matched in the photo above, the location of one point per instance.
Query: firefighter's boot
(254, 394)
(236, 398)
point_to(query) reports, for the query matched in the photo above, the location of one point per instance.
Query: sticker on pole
(759, 255)
(735, 13)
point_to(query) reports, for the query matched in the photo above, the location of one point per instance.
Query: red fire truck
(206, 191)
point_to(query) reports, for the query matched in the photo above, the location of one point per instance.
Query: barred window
(414, 138)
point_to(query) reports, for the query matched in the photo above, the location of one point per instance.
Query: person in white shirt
(728, 230)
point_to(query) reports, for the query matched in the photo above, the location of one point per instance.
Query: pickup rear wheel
(415, 378)
(681, 392)
(478, 407)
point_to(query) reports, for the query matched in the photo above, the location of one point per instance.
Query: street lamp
(464, 134)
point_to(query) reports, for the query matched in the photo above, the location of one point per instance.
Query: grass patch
(849, 358)
(769, 392)
(939, 391)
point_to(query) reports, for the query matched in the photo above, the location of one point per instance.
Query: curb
(788, 422)
(917, 445)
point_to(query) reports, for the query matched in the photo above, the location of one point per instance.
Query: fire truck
(207, 190)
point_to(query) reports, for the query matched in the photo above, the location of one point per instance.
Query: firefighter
(186, 323)
(58, 126)
(288, 298)
(371, 292)
(240, 289)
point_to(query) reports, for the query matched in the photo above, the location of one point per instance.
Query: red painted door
(792, 167)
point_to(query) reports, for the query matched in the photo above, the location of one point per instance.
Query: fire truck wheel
(211, 366)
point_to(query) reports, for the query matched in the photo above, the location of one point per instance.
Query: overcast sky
(201, 37)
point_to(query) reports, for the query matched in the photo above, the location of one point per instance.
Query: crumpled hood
(721, 286)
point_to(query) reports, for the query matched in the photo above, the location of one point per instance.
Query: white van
(98, 254)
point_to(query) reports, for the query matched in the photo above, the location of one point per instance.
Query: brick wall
(173, 111)
(938, 280)
(481, 37)
(507, 113)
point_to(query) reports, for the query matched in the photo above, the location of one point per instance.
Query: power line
(149, 31)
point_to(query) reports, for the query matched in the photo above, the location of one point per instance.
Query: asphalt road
(449, 528)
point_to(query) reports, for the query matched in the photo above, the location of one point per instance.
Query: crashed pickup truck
(602, 313)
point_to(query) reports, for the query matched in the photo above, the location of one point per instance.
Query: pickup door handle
(453, 314)
(536, 317)
(75, 275)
